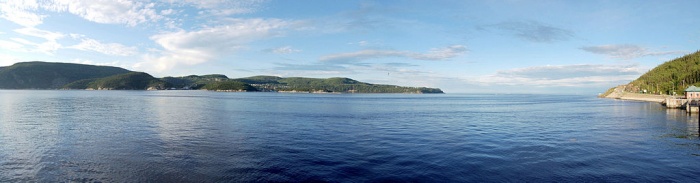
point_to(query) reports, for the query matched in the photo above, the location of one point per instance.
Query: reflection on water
(195, 136)
(688, 129)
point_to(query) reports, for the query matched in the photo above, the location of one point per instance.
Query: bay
(199, 136)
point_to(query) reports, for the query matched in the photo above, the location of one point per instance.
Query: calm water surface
(197, 136)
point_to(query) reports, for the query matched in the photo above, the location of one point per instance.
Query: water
(197, 136)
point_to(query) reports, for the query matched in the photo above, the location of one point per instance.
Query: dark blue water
(197, 136)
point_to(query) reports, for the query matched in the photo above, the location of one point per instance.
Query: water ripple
(194, 136)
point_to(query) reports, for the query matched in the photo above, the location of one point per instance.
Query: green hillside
(128, 81)
(229, 85)
(48, 75)
(260, 80)
(194, 81)
(342, 85)
(672, 76)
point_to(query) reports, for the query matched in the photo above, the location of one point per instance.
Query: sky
(508, 46)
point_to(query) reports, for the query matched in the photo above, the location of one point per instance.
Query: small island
(69, 76)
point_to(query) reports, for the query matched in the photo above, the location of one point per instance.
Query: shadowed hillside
(128, 81)
(48, 75)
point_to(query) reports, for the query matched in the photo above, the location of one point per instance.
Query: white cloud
(533, 31)
(105, 48)
(127, 12)
(34, 32)
(20, 13)
(195, 47)
(48, 47)
(6, 60)
(225, 7)
(626, 51)
(441, 53)
(22, 41)
(433, 54)
(583, 75)
(11, 45)
(90, 62)
(30, 13)
(360, 43)
(363, 43)
(167, 12)
(282, 50)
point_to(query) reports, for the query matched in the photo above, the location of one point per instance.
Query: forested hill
(48, 75)
(128, 81)
(672, 76)
(338, 85)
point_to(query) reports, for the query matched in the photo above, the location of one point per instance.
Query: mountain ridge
(57, 75)
(51, 75)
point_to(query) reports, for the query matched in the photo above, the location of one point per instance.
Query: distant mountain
(48, 75)
(229, 85)
(194, 81)
(672, 76)
(338, 84)
(128, 81)
(260, 80)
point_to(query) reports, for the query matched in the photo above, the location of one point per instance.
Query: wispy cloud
(309, 67)
(199, 46)
(49, 46)
(369, 17)
(225, 7)
(582, 75)
(432, 54)
(13, 45)
(21, 12)
(532, 31)
(117, 49)
(6, 60)
(365, 43)
(626, 51)
(282, 50)
(127, 12)
(34, 32)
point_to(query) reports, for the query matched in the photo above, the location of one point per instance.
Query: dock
(690, 105)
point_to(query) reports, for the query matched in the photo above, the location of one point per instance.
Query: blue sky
(509, 46)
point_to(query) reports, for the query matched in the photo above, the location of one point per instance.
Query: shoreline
(620, 93)
(638, 97)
